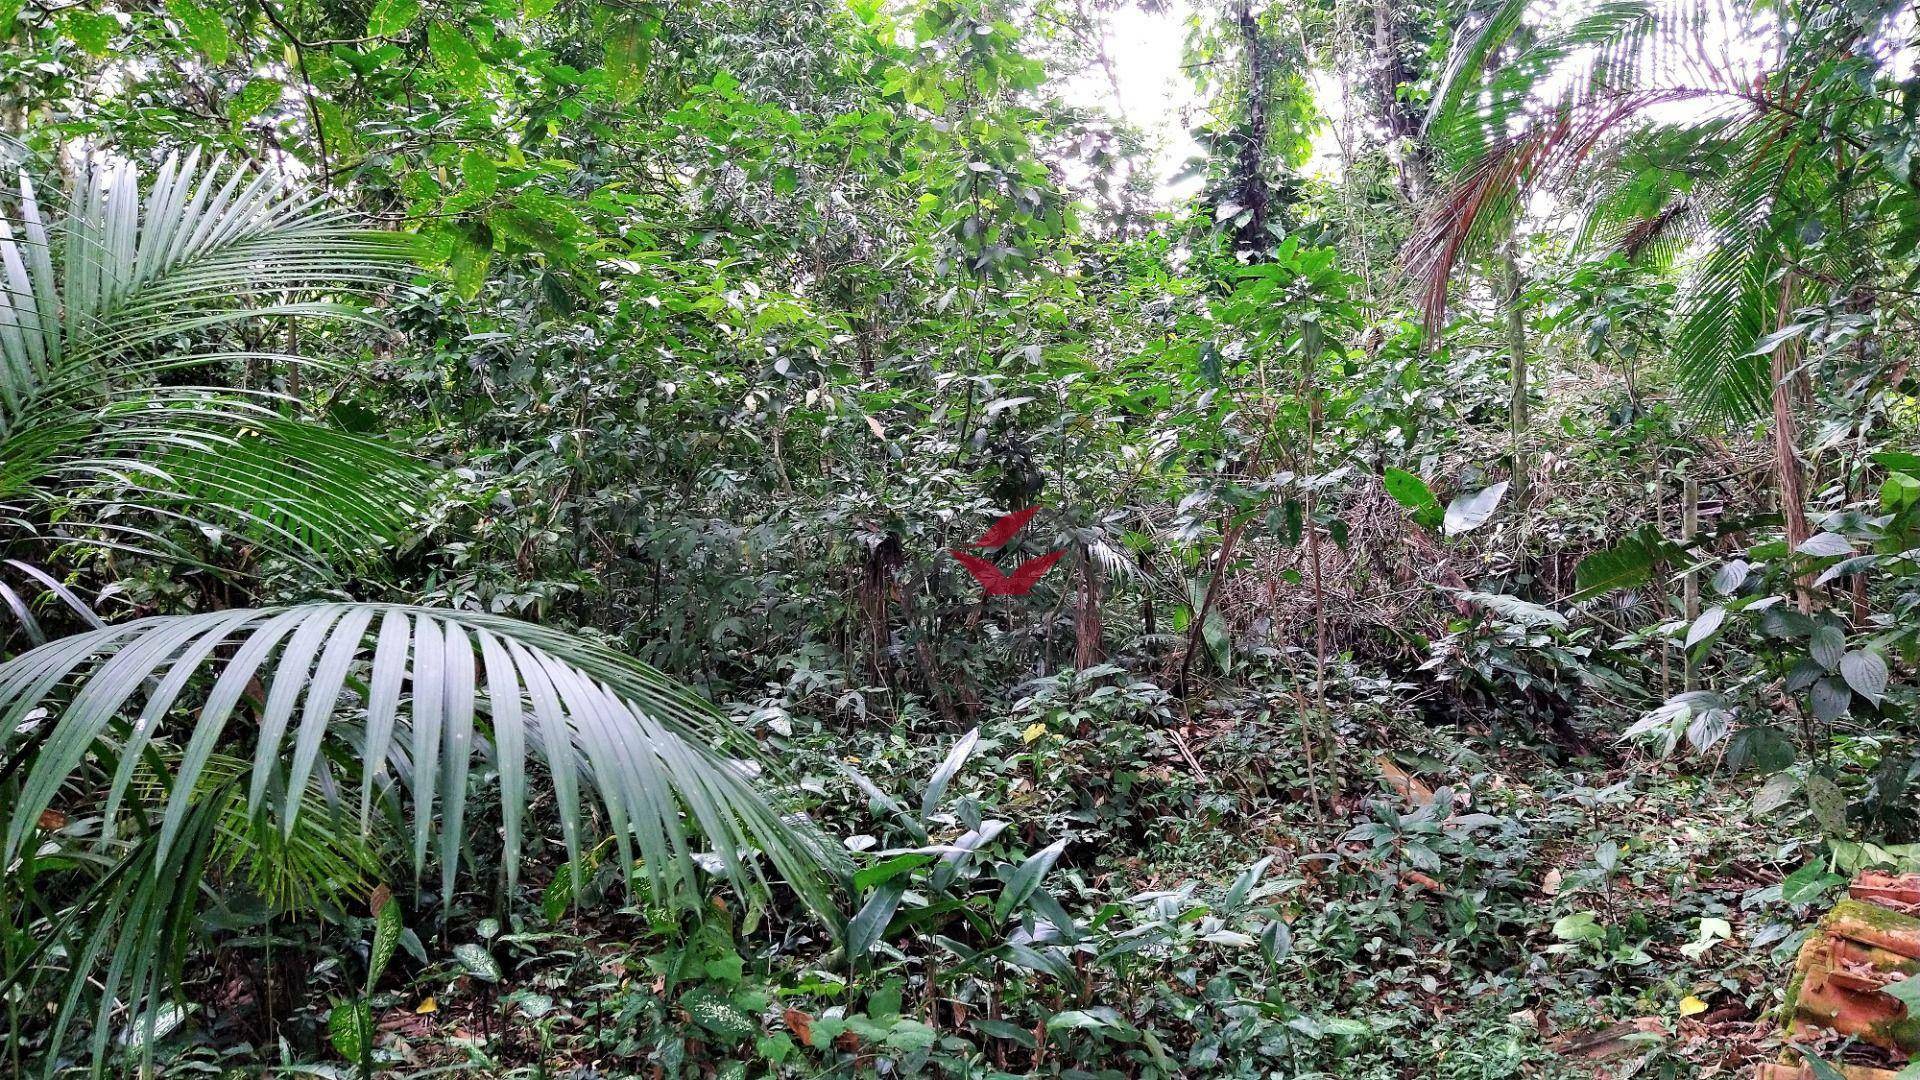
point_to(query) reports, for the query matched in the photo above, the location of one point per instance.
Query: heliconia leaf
(1026, 878)
(942, 776)
(870, 922)
(1006, 528)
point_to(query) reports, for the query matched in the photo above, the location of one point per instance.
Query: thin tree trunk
(1690, 589)
(1789, 479)
(1087, 625)
(1517, 348)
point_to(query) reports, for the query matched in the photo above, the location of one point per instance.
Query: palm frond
(83, 429)
(431, 687)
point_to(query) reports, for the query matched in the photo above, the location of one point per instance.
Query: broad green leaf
(390, 17)
(477, 961)
(206, 28)
(868, 924)
(92, 32)
(1026, 878)
(386, 938)
(1866, 673)
(481, 175)
(1775, 793)
(456, 56)
(256, 97)
(1579, 926)
(1808, 884)
(350, 1029)
(1828, 645)
(629, 51)
(942, 776)
(1619, 567)
(1829, 805)
(1413, 493)
(1707, 625)
(719, 1015)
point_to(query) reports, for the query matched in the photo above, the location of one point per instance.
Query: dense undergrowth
(495, 535)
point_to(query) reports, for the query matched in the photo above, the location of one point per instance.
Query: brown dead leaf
(800, 1024)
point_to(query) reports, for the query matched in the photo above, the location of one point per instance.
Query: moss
(1872, 916)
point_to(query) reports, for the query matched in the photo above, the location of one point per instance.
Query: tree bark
(1789, 478)
(1517, 347)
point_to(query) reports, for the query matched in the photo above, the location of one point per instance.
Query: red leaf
(1004, 529)
(1028, 573)
(984, 572)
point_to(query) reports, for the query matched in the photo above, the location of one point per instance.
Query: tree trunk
(1087, 625)
(1788, 478)
(1517, 348)
(1249, 171)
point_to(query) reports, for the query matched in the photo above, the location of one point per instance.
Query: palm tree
(187, 739)
(1745, 136)
(1731, 130)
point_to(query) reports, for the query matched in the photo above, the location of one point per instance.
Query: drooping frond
(1664, 124)
(94, 308)
(441, 690)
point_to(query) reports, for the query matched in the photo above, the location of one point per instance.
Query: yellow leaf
(427, 1006)
(1692, 1006)
(1033, 732)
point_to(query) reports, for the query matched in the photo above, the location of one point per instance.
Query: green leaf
(719, 1015)
(1413, 493)
(1828, 645)
(1808, 884)
(457, 57)
(205, 29)
(1707, 625)
(629, 51)
(468, 264)
(1620, 567)
(92, 32)
(477, 961)
(942, 776)
(1579, 926)
(1866, 673)
(1026, 879)
(256, 97)
(1472, 510)
(387, 926)
(1829, 805)
(390, 17)
(482, 176)
(1898, 492)
(868, 924)
(350, 1029)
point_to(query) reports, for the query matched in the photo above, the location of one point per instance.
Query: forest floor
(1503, 916)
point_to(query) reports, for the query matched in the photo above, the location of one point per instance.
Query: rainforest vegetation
(952, 538)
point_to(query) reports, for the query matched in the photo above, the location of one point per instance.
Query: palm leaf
(654, 757)
(83, 338)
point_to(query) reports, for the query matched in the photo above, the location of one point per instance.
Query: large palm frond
(421, 700)
(125, 288)
(1671, 123)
